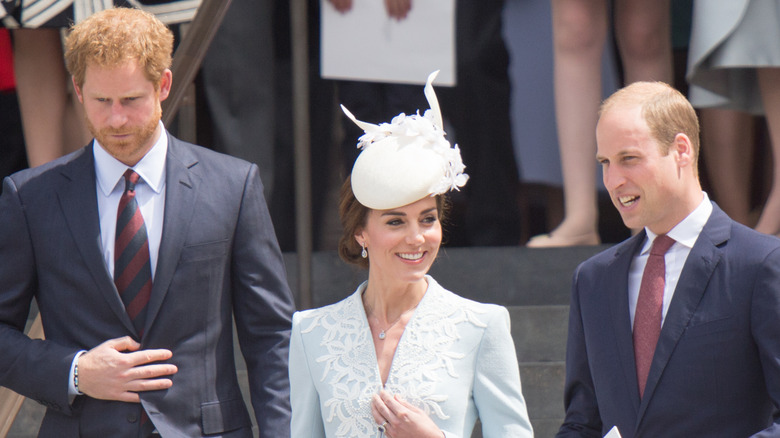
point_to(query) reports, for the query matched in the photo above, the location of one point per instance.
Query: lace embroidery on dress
(423, 355)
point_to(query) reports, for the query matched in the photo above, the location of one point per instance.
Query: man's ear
(77, 89)
(683, 149)
(165, 84)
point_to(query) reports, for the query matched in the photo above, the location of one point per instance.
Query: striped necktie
(132, 267)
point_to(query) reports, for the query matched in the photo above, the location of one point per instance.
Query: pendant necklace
(382, 333)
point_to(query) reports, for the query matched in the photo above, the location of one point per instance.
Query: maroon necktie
(649, 307)
(132, 267)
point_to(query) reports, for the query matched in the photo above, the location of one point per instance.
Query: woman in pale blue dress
(402, 356)
(734, 71)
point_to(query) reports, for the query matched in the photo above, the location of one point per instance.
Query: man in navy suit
(714, 370)
(207, 256)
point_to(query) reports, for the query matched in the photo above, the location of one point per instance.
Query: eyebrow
(399, 213)
(131, 93)
(621, 153)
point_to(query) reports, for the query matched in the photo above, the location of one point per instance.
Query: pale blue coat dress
(455, 360)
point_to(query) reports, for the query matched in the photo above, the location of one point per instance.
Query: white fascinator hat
(407, 159)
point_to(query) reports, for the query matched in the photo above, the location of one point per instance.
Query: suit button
(132, 417)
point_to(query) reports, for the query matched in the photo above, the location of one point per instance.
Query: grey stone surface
(543, 389)
(545, 428)
(539, 332)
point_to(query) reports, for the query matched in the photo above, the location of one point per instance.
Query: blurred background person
(52, 119)
(580, 29)
(733, 69)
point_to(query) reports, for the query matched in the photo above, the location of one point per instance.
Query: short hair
(353, 217)
(114, 36)
(665, 110)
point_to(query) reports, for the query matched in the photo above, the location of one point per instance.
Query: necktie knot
(661, 244)
(131, 179)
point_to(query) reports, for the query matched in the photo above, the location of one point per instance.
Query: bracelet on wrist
(76, 377)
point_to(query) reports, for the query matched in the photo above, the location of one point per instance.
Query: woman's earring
(364, 253)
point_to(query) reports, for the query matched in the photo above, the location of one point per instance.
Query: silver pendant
(382, 335)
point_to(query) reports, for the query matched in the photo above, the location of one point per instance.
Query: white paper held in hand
(613, 433)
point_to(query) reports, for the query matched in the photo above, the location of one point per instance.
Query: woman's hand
(402, 420)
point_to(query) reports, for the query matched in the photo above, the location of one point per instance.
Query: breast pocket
(204, 251)
(721, 328)
(200, 273)
(197, 288)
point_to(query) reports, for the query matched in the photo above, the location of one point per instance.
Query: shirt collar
(151, 168)
(688, 230)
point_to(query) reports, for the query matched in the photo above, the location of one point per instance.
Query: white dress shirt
(149, 192)
(684, 234)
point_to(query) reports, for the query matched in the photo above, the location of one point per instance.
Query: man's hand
(117, 370)
(398, 9)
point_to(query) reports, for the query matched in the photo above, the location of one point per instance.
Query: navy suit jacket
(716, 369)
(218, 259)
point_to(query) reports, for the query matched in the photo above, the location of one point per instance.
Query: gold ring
(381, 427)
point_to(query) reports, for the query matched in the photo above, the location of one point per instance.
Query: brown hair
(665, 110)
(353, 217)
(114, 36)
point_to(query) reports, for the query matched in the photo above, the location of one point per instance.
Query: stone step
(534, 285)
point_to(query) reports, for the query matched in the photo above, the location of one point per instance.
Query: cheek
(92, 112)
(141, 111)
(661, 180)
(385, 241)
(434, 235)
(140, 114)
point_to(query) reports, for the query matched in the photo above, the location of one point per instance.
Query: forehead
(125, 77)
(423, 205)
(620, 128)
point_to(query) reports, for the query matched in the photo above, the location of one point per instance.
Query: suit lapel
(77, 195)
(180, 196)
(701, 263)
(621, 318)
